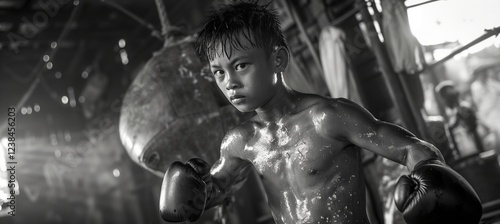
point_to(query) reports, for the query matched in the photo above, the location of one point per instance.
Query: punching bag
(172, 111)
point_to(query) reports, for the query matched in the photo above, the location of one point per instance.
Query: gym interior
(99, 97)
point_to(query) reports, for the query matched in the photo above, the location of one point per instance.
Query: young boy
(305, 147)
(462, 120)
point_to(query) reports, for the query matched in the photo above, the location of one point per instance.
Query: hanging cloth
(404, 50)
(335, 64)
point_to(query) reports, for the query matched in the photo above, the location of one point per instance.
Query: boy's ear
(281, 58)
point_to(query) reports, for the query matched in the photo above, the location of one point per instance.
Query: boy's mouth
(236, 99)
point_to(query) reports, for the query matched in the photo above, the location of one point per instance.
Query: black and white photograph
(249, 111)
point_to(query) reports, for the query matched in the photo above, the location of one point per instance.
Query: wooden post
(394, 86)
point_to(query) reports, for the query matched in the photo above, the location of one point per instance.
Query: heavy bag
(172, 111)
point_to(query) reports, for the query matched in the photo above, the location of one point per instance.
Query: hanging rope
(166, 27)
(165, 23)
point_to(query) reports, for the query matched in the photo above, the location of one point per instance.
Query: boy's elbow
(421, 151)
(223, 186)
(434, 152)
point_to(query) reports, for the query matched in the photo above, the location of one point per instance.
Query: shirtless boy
(305, 147)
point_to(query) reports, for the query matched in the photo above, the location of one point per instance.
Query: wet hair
(257, 23)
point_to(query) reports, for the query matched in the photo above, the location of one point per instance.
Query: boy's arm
(229, 170)
(359, 127)
(433, 192)
(190, 188)
(226, 173)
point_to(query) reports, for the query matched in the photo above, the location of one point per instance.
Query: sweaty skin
(305, 147)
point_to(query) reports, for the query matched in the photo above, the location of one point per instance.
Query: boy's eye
(218, 73)
(241, 66)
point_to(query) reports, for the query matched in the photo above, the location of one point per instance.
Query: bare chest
(294, 151)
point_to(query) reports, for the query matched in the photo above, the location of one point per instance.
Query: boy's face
(450, 96)
(247, 78)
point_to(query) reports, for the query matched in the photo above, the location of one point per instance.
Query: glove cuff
(431, 161)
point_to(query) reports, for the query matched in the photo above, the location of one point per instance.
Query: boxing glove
(183, 194)
(435, 193)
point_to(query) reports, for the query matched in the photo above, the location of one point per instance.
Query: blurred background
(107, 93)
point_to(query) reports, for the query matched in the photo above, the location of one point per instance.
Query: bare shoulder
(235, 139)
(334, 117)
(336, 107)
(340, 107)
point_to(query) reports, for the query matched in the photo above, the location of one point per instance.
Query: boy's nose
(232, 82)
(232, 85)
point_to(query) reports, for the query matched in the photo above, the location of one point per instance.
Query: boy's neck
(283, 103)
